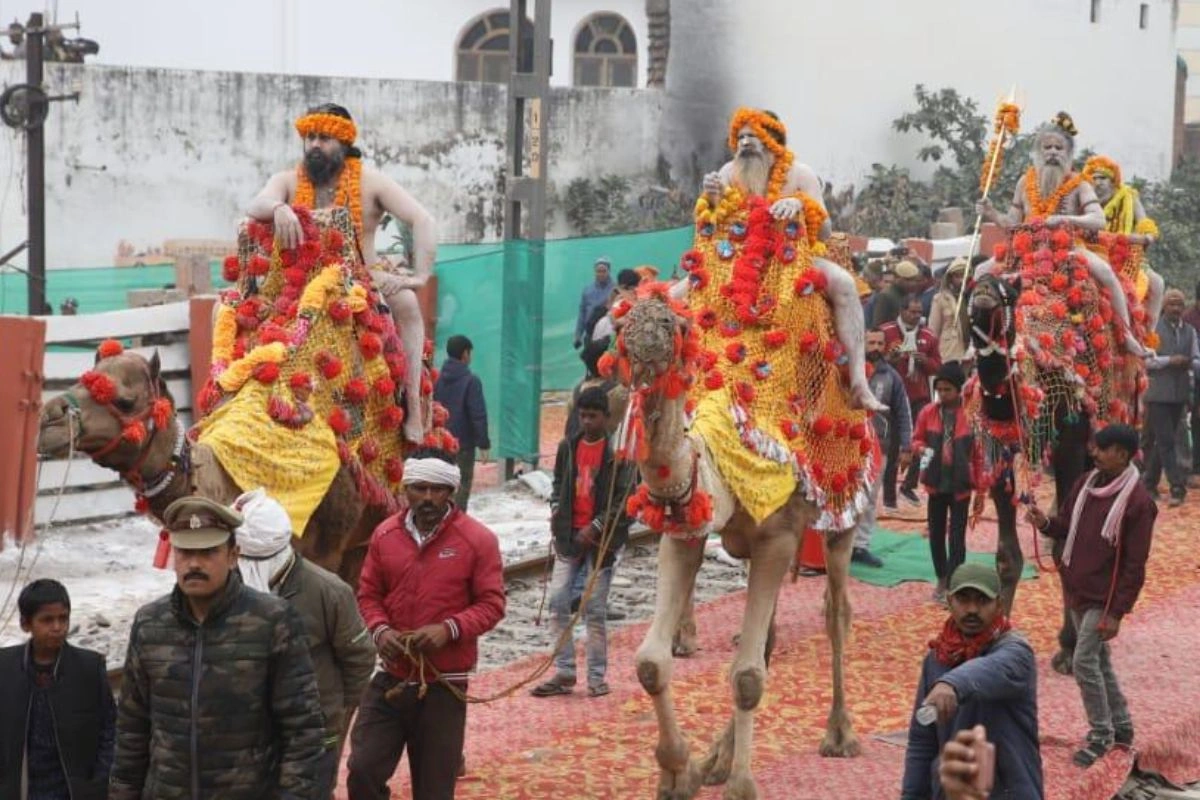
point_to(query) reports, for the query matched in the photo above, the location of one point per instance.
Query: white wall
(149, 154)
(411, 39)
(839, 73)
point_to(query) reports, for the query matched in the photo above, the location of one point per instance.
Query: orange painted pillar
(20, 411)
(920, 247)
(858, 244)
(200, 335)
(990, 235)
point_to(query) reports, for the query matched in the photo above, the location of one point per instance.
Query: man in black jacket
(460, 391)
(219, 698)
(56, 741)
(587, 510)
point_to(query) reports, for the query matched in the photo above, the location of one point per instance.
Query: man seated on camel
(1053, 192)
(758, 140)
(331, 174)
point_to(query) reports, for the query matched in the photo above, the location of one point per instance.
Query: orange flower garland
(348, 195)
(1102, 165)
(1039, 207)
(1008, 121)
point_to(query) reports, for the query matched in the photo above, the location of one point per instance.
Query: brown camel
(649, 331)
(166, 466)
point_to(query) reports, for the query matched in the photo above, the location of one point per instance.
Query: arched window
(483, 48)
(605, 52)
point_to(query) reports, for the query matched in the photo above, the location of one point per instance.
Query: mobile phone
(985, 760)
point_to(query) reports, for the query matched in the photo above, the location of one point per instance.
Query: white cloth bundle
(431, 470)
(264, 539)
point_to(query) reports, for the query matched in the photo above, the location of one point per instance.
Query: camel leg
(1009, 559)
(716, 765)
(770, 559)
(684, 645)
(840, 740)
(678, 563)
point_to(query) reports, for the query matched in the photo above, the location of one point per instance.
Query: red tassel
(162, 552)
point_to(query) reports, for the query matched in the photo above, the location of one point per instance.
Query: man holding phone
(978, 672)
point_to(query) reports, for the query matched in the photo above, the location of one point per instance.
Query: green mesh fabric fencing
(487, 292)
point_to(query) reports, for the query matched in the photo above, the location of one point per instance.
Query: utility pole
(524, 252)
(35, 172)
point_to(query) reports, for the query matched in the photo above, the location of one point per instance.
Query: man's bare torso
(1074, 204)
(372, 210)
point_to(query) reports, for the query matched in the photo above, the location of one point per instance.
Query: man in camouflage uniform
(219, 700)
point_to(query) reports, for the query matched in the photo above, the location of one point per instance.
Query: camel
(684, 486)
(1033, 396)
(167, 465)
(301, 399)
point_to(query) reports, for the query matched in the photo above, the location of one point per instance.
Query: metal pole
(35, 170)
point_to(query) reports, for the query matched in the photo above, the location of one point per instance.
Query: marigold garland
(237, 373)
(348, 194)
(1007, 122)
(763, 125)
(1039, 207)
(331, 125)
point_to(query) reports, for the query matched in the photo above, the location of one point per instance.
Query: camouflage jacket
(226, 709)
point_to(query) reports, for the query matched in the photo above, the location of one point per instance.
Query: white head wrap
(263, 538)
(431, 470)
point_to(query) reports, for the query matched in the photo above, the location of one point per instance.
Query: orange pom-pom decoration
(393, 468)
(714, 380)
(258, 266)
(160, 412)
(109, 348)
(266, 372)
(329, 364)
(370, 345)
(134, 432)
(605, 365)
(340, 311)
(775, 338)
(230, 269)
(356, 391)
(385, 386)
(822, 426)
(391, 418)
(99, 386)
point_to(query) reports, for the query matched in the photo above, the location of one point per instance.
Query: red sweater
(1087, 580)
(916, 383)
(456, 578)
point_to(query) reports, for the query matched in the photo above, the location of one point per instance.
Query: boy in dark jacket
(978, 672)
(460, 391)
(56, 741)
(944, 441)
(587, 503)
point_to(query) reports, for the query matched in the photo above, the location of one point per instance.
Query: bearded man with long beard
(331, 174)
(1057, 195)
(756, 148)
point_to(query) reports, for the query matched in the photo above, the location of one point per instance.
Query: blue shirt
(594, 295)
(997, 689)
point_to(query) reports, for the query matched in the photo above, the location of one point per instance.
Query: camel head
(111, 413)
(656, 346)
(990, 310)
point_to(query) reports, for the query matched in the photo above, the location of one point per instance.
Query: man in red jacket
(912, 350)
(1108, 522)
(431, 585)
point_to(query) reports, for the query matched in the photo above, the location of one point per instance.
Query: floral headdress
(771, 131)
(1102, 165)
(332, 125)
(1064, 126)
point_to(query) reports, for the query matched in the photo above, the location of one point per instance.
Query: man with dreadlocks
(332, 174)
(1053, 193)
(763, 165)
(1125, 214)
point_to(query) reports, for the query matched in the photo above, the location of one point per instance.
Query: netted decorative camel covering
(771, 397)
(306, 364)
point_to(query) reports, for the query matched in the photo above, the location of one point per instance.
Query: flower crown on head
(1062, 123)
(340, 128)
(763, 125)
(1102, 165)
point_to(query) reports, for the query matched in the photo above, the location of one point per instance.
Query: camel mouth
(54, 439)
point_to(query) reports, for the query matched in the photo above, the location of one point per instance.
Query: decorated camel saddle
(767, 398)
(1070, 351)
(306, 365)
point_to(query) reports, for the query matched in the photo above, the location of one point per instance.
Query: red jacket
(456, 578)
(916, 383)
(964, 467)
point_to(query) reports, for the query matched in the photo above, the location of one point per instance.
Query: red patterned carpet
(535, 749)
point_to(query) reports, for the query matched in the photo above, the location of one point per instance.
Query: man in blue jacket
(460, 391)
(978, 672)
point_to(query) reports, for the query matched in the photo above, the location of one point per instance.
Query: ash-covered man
(332, 174)
(341, 649)
(431, 585)
(758, 140)
(1053, 192)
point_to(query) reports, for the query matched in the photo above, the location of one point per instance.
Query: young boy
(57, 734)
(588, 500)
(944, 434)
